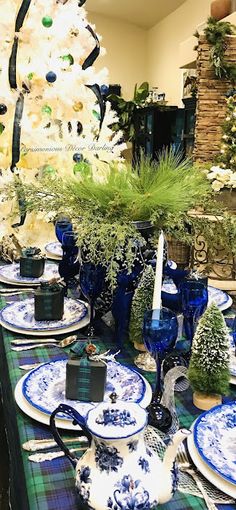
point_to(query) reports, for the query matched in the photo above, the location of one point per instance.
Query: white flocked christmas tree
(53, 117)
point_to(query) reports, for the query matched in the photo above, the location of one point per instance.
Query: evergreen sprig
(209, 364)
(216, 33)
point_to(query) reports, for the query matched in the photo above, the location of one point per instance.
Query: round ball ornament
(47, 21)
(51, 77)
(78, 106)
(104, 89)
(68, 58)
(48, 170)
(3, 109)
(77, 157)
(47, 109)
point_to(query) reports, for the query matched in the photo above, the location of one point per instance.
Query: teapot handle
(77, 419)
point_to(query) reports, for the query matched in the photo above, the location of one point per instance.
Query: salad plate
(54, 250)
(219, 297)
(43, 389)
(219, 482)
(11, 274)
(19, 317)
(215, 440)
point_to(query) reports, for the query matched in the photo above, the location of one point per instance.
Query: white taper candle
(156, 303)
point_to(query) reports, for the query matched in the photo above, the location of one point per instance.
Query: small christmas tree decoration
(51, 77)
(208, 371)
(142, 301)
(47, 21)
(3, 109)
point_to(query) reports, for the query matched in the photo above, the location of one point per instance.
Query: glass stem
(91, 328)
(157, 390)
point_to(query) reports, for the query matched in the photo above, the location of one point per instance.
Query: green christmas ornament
(68, 58)
(83, 168)
(47, 109)
(48, 170)
(2, 127)
(30, 76)
(96, 115)
(47, 21)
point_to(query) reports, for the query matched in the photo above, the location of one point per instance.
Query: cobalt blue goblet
(194, 298)
(69, 266)
(62, 225)
(159, 336)
(92, 280)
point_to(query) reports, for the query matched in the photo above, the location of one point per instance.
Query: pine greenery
(209, 364)
(141, 302)
(216, 33)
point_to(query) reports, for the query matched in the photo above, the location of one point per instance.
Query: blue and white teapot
(118, 471)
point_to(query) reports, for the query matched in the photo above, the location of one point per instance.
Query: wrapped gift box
(32, 263)
(85, 380)
(49, 302)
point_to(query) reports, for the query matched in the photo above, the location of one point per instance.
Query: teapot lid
(116, 420)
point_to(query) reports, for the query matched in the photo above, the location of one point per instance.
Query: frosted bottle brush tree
(142, 301)
(209, 364)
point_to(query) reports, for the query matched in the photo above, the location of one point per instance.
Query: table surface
(51, 485)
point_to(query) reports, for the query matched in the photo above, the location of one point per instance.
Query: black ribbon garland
(16, 136)
(102, 105)
(12, 61)
(89, 61)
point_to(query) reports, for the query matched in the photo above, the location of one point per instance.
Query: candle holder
(160, 330)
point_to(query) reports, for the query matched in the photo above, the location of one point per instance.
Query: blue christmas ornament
(77, 157)
(51, 77)
(104, 89)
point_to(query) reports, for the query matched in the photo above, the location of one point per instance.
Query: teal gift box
(32, 263)
(85, 379)
(49, 302)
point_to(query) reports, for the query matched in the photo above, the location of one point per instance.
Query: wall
(163, 47)
(126, 47)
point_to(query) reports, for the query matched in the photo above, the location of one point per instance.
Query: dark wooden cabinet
(157, 127)
(189, 125)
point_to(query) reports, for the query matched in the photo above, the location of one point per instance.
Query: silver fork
(186, 466)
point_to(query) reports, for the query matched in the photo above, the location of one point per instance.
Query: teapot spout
(172, 448)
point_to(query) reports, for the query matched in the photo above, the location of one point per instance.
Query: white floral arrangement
(221, 178)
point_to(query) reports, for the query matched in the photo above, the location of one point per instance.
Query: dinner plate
(54, 250)
(67, 424)
(215, 440)
(219, 297)
(211, 476)
(19, 318)
(44, 388)
(11, 274)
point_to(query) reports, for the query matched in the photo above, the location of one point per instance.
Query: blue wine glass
(159, 336)
(92, 280)
(194, 298)
(62, 225)
(69, 266)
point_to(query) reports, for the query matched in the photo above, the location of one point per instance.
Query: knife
(26, 341)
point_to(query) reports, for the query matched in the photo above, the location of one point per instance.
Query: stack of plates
(10, 274)
(213, 446)
(54, 250)
(41, 391)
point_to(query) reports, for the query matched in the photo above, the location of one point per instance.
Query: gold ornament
(78, 106)
(233, 129)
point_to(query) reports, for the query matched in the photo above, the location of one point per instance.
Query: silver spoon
(63, 343)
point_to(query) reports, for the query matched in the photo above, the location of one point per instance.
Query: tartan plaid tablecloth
(51, 485)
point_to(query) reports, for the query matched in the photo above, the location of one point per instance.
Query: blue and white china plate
(64, 424)
(54, 250)
(19, 317)
(11, 274)
(215, 440)
(212, 476)
(219, 297)
(44, 387)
